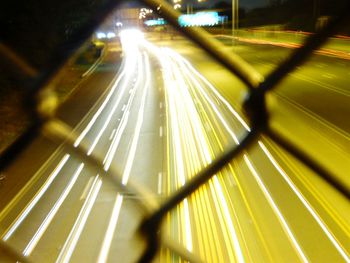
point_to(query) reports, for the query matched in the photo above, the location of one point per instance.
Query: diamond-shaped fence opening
(41, 105)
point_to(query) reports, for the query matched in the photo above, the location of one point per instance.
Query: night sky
(242, 3)
(252, 3)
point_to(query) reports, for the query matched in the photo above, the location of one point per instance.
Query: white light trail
(233, 234)
(44, 225)
(214, 90)
(185, 119)
(130, 160)
(180, 60)
(99, 111)
(115, 142)
(276, 210)
(107, 241)
(132, 151)
(129, 48)
(36, 198)
(72, 240)
(122, 125)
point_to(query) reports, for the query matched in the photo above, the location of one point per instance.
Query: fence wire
(43, 114)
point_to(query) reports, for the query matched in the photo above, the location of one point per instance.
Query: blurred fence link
(42, 105)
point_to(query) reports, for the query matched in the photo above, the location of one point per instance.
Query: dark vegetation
(40, 32)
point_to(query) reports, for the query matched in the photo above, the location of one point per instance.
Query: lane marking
(112, 134)
(87, 188)
(20, 218)
(328, 76)
(124, 106)
(161, 131)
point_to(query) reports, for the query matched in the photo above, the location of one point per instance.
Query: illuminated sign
(200, 19)
(155, 22)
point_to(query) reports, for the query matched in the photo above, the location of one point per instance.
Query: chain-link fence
(41, 104)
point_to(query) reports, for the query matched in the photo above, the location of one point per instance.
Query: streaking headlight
(100, 35)
(131, 36)
(110, 35)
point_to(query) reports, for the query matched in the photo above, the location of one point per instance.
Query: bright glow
(276, 210)
(131, 36)
(111, 35)
(36, 198)
(72, 240)
(199, 19)
(101, 35)
(305, 203)
(44, 225)
(177, 6)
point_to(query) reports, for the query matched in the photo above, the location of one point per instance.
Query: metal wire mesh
(45, 122)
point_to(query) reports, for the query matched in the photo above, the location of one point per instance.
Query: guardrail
(44, 121)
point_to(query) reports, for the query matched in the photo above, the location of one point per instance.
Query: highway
(161, 115)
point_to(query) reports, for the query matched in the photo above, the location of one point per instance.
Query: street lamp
(234, 16)
(177, 4)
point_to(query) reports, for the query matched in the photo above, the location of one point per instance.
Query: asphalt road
(160, 115)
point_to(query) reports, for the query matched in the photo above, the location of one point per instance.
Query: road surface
(165, 113)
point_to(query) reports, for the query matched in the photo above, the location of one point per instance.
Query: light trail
(132, 151)
(72, 240)
(182, 111)
(306, 204)
(99, 111)
(103, 255)
(130, 71)
(129, 49)
(226, 212)
(217, 94)
(20, 218)
(44, 225)
(107, 241)
(276, 210)
(124, 120)
(198, 87)
(179, 168)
